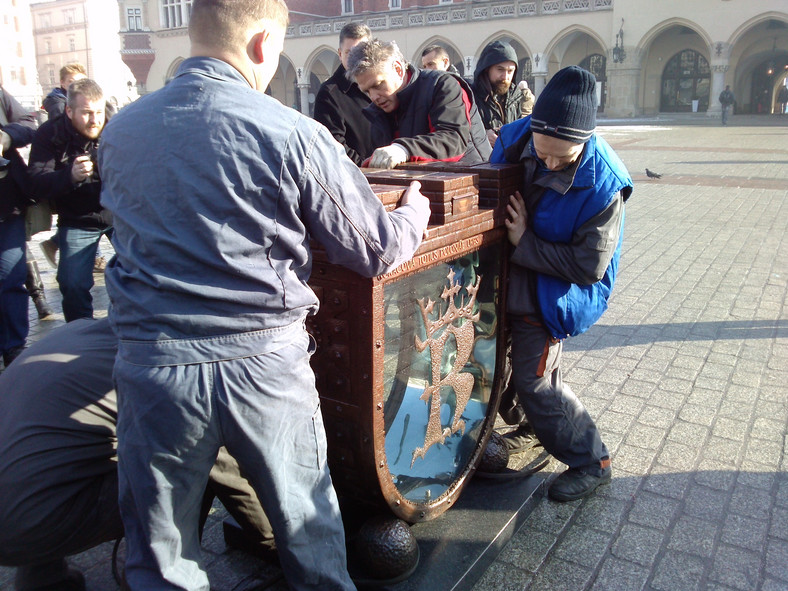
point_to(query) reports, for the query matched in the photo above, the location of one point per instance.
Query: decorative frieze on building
(570, 5)
(438, 18)
(503, 10)
(527, 9)
(424, 16)
(551, 6)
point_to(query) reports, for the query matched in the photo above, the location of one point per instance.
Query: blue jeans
(75, 270)
(560, 420)
(14, 324)
(172, 419)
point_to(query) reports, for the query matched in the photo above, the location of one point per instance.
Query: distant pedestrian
(527, 104)
(782, 99)
(726, 100)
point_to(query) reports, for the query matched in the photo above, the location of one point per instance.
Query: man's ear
(69, 112)
(399, 68)
(255, 48)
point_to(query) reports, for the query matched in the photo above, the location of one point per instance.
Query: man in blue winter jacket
(566, 227)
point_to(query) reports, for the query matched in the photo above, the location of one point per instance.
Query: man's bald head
(223, 24)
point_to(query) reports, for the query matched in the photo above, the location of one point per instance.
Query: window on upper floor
(69, 16)
(72, 44)
(444, 1)
(395, 3)
(52, 76)
(47, 45)
(44, 20)
(172, 14)
(134, 16)
(347, 6)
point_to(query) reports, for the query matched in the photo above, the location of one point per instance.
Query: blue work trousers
(14, 323)
(75, 270)
(266, 411)
(560, 420)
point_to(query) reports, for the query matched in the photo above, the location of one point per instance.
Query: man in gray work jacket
(216, 189)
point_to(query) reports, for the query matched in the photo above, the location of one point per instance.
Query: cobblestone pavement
(686, 374)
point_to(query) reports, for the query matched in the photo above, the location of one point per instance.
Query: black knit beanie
(566, 108)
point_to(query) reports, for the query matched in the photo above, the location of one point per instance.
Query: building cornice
(463, 12)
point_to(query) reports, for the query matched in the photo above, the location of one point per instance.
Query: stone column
(302, 80)
(539, 72)
(469, 65)
(623, 84)
(720, 64)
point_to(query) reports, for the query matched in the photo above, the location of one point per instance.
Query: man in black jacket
(16, 130)
(497, 98)
(416, 115)
(62, 167)
(339, 103)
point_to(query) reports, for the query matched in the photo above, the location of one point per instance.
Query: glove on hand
(388, 156)
(5, 141)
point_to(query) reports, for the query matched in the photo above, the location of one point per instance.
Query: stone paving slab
(687, 375)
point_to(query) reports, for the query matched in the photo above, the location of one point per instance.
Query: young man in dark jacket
(416, 115)
(339, 104)
(16, 131)
(566, 228)
(63, 170)
(55, 101)
(497, 97)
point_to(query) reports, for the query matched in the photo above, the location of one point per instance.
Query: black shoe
(575, 483)
(521, 439)
(42, 307)
(72, 580)
(12, 354)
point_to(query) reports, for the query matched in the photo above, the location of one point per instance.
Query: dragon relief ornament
(460, 382)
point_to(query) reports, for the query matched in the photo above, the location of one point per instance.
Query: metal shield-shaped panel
(441, 356)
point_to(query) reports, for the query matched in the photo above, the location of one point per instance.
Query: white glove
(5, 140)
(388, 156)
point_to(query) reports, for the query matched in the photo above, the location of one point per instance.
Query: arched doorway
(685, 79)
(597, 65)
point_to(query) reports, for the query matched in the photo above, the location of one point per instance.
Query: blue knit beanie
(566, 108)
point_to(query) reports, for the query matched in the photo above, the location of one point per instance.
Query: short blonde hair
(71, 69)
(222, 24)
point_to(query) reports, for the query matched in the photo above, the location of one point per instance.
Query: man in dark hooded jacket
(496, 96)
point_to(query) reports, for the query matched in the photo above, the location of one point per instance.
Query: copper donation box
(409, 364)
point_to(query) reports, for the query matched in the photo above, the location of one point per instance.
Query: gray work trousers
(172, 419)
(560, 420)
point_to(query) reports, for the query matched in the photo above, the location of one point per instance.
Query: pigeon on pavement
(652, 175)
